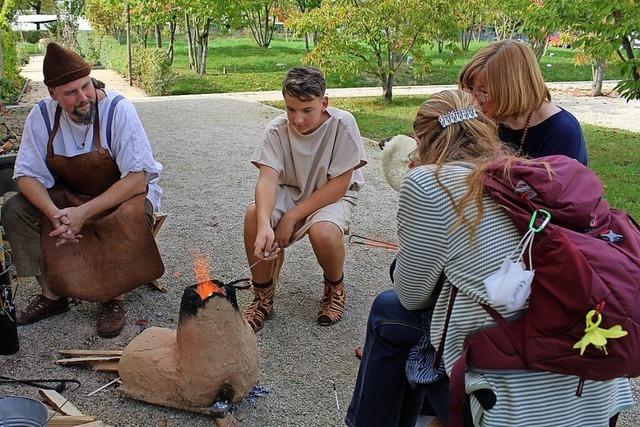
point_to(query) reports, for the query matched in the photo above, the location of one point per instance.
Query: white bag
(510, 286)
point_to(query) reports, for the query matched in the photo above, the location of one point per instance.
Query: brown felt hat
(62, 66)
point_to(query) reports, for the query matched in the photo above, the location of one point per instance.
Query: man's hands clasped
(67, 224)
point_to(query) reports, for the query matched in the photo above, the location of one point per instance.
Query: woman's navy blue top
(559, 134)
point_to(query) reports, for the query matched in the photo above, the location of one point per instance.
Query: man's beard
(87, 116)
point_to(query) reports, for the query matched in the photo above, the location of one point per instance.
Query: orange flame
(205, 287)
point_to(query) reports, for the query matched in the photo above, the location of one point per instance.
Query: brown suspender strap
(452, 298)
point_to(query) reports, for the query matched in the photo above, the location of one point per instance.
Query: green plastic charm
(598, 336)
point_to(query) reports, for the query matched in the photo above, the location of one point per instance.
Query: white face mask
(510, 286)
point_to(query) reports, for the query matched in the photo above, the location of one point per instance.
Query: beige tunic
(307, 162)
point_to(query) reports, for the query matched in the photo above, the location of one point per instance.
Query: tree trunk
(190, 46)
(467, 34)
(387, 88)
(476, 33)
(597, 71)
(203, 43)
(465, 39)
(539, 46)
(158, 31)
(306, 41)
(315, 38)
(172, 37)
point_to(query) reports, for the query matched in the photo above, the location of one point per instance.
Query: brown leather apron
(118, 252)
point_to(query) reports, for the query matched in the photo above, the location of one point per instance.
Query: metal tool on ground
(356, 239)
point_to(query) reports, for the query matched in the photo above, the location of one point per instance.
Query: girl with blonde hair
(506, 81)
(452, 234)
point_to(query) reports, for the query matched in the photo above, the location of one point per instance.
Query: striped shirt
(429, 246)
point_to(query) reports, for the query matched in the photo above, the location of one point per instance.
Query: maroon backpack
(587, 258)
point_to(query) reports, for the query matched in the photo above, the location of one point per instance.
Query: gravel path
(204, 143)
(204, 146)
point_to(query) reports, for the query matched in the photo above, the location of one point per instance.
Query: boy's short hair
(304, 83)
(512, 78)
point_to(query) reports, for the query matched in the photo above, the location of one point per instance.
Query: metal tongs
(356, 239)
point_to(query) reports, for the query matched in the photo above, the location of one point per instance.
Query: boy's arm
(331, 192)
(265, 203)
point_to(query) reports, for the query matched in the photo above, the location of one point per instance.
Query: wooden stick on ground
(87, 360)
(78, 352)
(70, 421)
(98, 423)
(59, 403)
(106, 367)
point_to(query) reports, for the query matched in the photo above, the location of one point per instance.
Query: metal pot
(16, 411)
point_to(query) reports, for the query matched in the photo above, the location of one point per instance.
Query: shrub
(34, 36)
(113, 55)
(89, 47)
(150, 68)
(10, 89)
(23, 53)
(11, 66)
(31, 48)
(11, 83)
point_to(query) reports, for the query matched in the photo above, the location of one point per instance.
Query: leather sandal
(333, 304)
(41, 307)
(111, 317)
(261, 307)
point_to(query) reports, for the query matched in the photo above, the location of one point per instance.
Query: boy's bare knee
(251, 213)
(325, 234)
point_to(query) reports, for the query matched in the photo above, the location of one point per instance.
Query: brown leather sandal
(333, 303)
(261, 307)
(41, 307)
(111, 318)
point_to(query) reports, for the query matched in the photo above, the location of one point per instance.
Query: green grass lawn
(237, 64)
(613, 154)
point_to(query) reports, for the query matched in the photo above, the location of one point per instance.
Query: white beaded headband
(457, 116)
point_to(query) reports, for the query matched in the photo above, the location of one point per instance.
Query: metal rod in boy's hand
(239, 277)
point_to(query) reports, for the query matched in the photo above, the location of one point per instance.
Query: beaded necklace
(524, 134)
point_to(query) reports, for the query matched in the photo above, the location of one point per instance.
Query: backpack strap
(457, 395)
(112, 109)
(45, 115)
(452, 299)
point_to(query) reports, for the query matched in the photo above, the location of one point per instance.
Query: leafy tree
(9, 78)
(68, 12)
(373, 37)
(260, 17)
(468, 15)
(152, 14)
(602, 29)
(106, 16)
(199, 16)
(305, 6)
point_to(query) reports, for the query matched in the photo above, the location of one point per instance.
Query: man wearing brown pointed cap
(89, 187)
